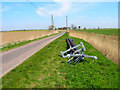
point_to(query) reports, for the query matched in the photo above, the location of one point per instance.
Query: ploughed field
(16, 37)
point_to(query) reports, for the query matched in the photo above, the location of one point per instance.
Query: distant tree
(64, 28)
(98, 28)
(59, 28)
(84, 28)
(79, 27)
(75, 28)
(55, 28)
(72, 26)
(51, 27)
(24, 30)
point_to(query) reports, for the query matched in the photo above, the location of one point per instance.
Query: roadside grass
(102, 31)
(10, 46)
(47, 69)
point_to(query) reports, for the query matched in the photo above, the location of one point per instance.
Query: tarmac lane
(14, 57)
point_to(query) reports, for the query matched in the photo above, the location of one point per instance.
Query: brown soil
(11, 37)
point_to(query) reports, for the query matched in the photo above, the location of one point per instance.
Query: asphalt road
(14, 57)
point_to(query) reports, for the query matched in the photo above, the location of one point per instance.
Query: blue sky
(22, 15)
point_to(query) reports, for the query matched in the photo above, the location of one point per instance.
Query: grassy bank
(106, 44)
(102, 31)
(15, 45)
(47, 68)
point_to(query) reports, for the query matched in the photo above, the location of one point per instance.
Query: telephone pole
(67, 22)
(52, 22)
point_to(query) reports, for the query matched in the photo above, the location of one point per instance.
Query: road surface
(14, 57)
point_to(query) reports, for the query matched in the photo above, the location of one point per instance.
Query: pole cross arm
(76, 55)
(81, 44)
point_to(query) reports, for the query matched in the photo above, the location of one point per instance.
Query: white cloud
(59, 9)
(40, 11)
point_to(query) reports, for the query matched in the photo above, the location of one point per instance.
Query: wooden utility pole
(67, 22)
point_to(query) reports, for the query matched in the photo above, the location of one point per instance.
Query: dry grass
(106, 44)
(11, 37)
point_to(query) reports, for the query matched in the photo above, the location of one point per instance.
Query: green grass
(47, 68)
(103, 31)
(10, 46)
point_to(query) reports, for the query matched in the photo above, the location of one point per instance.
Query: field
(10, 46)
(102, 31)
(20, 36)
(47, 68)
(24, 30)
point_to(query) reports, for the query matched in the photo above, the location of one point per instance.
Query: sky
(37, 15)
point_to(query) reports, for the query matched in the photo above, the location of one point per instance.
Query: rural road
(14, 57)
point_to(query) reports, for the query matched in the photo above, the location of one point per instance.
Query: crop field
(23, 30)
(10, 46)
(20, 36)
(102, 31)
(47, 68)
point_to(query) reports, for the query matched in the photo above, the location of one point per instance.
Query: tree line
(52, 27)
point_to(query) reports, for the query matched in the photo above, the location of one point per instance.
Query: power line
(52, 21)
(37, 8)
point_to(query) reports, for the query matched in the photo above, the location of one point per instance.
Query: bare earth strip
(14, 57)
(16, 37)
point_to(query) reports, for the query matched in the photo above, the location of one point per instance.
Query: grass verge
(15, 45)
(47, 69)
